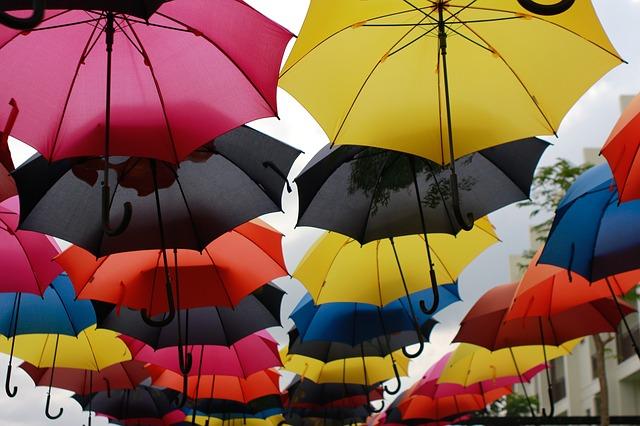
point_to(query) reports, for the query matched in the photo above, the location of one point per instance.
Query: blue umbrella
(354, 323)
(593, 234)
(56, 312)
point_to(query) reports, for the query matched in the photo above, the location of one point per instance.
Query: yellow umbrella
(409, 75)
(92, 349)
(471, 364)
(362, 370)
(248, 421)
(338, 269)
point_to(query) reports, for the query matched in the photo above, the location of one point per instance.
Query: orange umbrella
(257, 385)
(218, 276)
(547, 290)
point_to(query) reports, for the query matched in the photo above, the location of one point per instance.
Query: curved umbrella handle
(436, 296)
(126, 217)
(552, 410)
(276, 169)
(32, 21)
(46, 409)
(398, 382)
(172, 309)
(547, 9)
(415, 355)
(464, 223)
(183, 396)
(89, 420)
(7, 384)
(185, 362)
(372, 408)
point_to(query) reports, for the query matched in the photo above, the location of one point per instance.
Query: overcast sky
(586, 125)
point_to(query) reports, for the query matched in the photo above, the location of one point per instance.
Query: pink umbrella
(254, 353)
(26, 264)
(106, 82)
(428, 385)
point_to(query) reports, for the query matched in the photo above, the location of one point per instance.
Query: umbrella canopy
(238, 177)
(336, 259)
(592, 235)
(372, 193)
(353, 323)
(375, 73)
(425, 407)
(254, 353)
(547, 290)
(91, 349)
(220, 76)
(240, 421)
(430, 385)
(262, 407)
(217, 276)
(142, 403)
(55, 312)
(368, 370)
(26, 264)
(123, 375)
(620, 151)
(485, 324)
(231, 388)
(471, 364)
(204, 326)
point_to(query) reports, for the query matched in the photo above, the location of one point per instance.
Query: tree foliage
(513, 405)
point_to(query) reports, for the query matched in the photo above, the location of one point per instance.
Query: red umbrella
(621, 152)
(424, 407)
(106, 81)
(218, 276)
(124, 375)
(26, 264)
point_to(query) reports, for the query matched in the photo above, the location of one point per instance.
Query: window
(624, 347)
(557, 379)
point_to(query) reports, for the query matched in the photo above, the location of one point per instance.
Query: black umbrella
(308, 392)
(199, 326)
(372, 193)
(143, 402)
(211, 406)
(238, 177)
(342, 415)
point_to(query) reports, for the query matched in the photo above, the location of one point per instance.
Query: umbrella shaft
(109, 32)
(442, 38)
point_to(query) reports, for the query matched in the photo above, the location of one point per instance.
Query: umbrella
(55, 312)
(237, 177)
(123, 375)
(141, 404)
(620, 151)
(386, 270)
(471, 364)
(396, 75)
(263, 407)
(372, 193)
(254, 353)
(202, 326)
(353, 323)
(240, 421)
(217, 276)
(304, 393)
(425, 407)
(219, 77)
(91, 349)
(25, 257)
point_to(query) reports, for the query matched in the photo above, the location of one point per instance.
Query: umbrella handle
(185, 362)
(7, 384)
(89, 420)
(466, 224)
(183, 396)
(417, 354)
(46, 409)
(126, 217)
(546, 9)
(398, 382)
(32, 21)
(436, 296)
(552, 410)
(372, 408)
(276, 169)
(172, 309)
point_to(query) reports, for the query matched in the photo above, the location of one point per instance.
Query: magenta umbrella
(26, 264)
(428, 385)
(254, 353)
(105, 82)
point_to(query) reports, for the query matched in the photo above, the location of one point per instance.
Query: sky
(586, 125)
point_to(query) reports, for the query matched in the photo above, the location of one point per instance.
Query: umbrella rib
(85, 52)
(366, 80)
(31, 268)
(70, 24)
(215, 268)
(194, 228)
(442, 196)
(158, 91)
(539, 18)
(384, 167)
(66, 311)
(284, 71)
(501, 170)
(335, 256)
(598, 227)
(226, 55)
(93, 354)
(515, 74)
